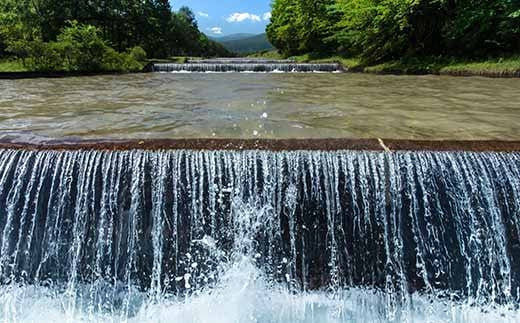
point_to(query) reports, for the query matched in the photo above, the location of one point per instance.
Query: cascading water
(246, 67)
(258, 236)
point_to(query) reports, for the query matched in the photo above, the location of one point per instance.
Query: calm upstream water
(239, 105)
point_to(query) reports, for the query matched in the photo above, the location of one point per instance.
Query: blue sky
(225, 17)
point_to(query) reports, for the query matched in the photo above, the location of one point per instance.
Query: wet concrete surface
(273, 145)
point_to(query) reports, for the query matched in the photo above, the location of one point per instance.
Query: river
(263, 105)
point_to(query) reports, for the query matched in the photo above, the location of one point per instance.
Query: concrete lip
(271, 145)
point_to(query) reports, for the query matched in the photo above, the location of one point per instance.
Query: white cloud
(267, 16)
(243, 16)
(203, 14)
(216, 30)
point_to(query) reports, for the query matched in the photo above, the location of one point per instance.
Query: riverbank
(11, 65)
(501, 67)
(15, 69)
(496, 67)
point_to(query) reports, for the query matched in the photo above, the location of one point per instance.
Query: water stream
(262, 105)
(257, 236)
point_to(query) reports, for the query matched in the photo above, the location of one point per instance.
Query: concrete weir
(273, 145)
(247, 65)
(97, 222)
(247, 68)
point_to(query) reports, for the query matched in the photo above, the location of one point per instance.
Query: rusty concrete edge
(272, 145)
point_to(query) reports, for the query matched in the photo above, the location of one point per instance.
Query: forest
(98, 35)
(382, 30)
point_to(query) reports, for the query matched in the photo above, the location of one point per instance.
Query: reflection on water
(260, 105)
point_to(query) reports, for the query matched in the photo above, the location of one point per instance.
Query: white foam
(244, 296)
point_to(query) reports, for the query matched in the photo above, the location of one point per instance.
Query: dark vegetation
(98, 35)
(379, 31)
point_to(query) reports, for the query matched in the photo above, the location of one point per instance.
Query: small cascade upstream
(259, 236)
(247, 66)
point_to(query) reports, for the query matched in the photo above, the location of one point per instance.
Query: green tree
(483, 27)
(282, 31)
(121, 24)
(83, 46)
(315, 23)
(16, 24)
(379, 30)
(375, 29)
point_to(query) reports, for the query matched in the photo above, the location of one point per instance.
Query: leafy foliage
(83, 47)
(300, 26)
(380, 30)
(44, 27)
(78, 48)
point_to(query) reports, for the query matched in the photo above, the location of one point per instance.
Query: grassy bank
(491, 67)
(16, 65)
(12, 66)
(497, 67)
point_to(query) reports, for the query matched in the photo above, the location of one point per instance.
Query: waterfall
(246, 67)
(302, 236)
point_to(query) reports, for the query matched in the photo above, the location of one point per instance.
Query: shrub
(85, 47)
(113, 61)
(131, 64)
(19, 48)
(43, 56)
(79, 48)
(123, 62)
(138, 54)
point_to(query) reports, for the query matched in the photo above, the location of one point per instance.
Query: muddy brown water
(263, 106)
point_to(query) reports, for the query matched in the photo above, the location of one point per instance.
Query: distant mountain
(245, 43)
(232, 37)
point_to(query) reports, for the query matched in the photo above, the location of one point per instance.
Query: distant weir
(246, 67)
(373, 235)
